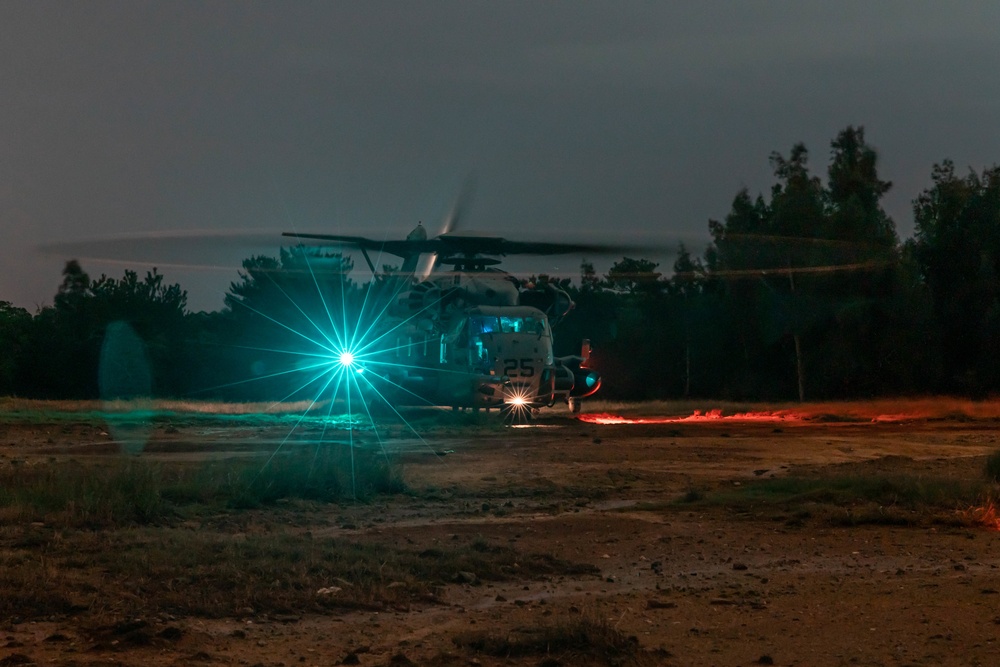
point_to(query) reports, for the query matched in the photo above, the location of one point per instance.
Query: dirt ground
(693, 583)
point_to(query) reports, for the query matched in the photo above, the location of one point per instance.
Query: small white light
(516, 401)
(346, 359)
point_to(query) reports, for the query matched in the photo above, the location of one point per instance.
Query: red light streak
(986, 516)
(697, 416)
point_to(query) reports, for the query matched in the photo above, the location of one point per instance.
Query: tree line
(804, 292)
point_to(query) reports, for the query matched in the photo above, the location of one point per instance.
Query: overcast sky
(610, 118)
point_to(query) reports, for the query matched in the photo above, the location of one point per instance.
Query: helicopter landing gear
(575, 404)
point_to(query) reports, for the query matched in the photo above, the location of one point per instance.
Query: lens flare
(517, 404)
(331, 343)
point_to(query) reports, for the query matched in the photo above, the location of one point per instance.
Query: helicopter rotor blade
(460, 206)
(450, 223)
(399, 248)
(197, 249)
(476, 243)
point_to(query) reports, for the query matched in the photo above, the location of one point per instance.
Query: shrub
(992, 468)
(136, 492)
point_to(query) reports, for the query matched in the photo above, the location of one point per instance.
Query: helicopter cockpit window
(528, 325)
(480, 324)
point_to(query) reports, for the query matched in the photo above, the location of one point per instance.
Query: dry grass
(850, 499)
(125, 537)
(572, 642)
(130, 491)
(137, 572)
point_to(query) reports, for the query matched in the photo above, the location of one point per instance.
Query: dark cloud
(129, 117)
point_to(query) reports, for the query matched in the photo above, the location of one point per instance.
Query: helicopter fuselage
(472, 337)
(486, 357)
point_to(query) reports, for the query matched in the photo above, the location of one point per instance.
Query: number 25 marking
(510, 368)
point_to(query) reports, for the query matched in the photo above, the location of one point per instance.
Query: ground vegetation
(755, 535)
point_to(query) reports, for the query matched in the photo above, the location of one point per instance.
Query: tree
(589, 281)
(797, 199)
(283, 310)
(155, 312)
(75, 287)
(855, 192)
(957, 247)
(757, 246)
(66, 339)
(813, 267)
(864, 304)
(64, 343)
(300, 275)
(797, 211)
(634, 276)
(15, 329)
(637, 362)
(686, 288)
(594, 317)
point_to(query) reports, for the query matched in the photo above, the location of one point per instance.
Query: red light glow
(986, 516)
(697, 416)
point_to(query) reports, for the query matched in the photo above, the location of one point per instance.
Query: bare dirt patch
(834, 539)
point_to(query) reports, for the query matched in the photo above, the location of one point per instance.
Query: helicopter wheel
(575, 404)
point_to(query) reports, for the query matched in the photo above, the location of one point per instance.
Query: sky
(596, 120)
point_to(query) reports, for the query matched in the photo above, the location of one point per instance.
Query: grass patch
(130, 491)
(848, 500)
(889, 490)
(70, 494)
(137, 572)
(326, 475)
(693, 495)
(579, 641)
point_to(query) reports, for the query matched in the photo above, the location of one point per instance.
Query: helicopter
(473, 336)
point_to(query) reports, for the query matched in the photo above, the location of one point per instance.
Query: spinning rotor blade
(460, 206)
(221, 250)
(450, 223)
(505, 247)
(399, 248)
(470, 244)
